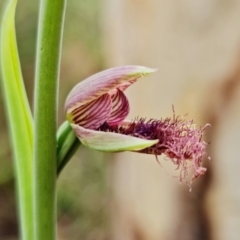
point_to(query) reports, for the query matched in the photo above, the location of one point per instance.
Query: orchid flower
(97, 108)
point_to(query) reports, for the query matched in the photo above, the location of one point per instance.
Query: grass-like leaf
(19, 119)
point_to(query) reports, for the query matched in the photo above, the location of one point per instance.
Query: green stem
(67, 145)
(19, 119)
(46, 87)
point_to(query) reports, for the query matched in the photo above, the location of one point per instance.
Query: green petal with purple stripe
(110, 141)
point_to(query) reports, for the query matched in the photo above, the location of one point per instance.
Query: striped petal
(110, 141)
(120, 108)
(104, 82)
(92, 115)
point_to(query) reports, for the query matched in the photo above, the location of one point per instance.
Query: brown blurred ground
(196, 46)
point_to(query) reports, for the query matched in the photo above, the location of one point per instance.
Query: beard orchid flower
(97, 108)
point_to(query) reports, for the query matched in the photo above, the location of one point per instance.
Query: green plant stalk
(19, 119)
(67, 145)
(49, 41)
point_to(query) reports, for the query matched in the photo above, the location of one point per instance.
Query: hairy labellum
(179, 140)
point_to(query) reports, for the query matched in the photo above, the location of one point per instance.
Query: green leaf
(19, 119)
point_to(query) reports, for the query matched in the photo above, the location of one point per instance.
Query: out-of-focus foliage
(82, 186)
(83, 207)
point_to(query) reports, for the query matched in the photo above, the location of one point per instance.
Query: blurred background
(195, 44)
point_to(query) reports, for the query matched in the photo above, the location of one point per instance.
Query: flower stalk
(67, 145)
(49, 42)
